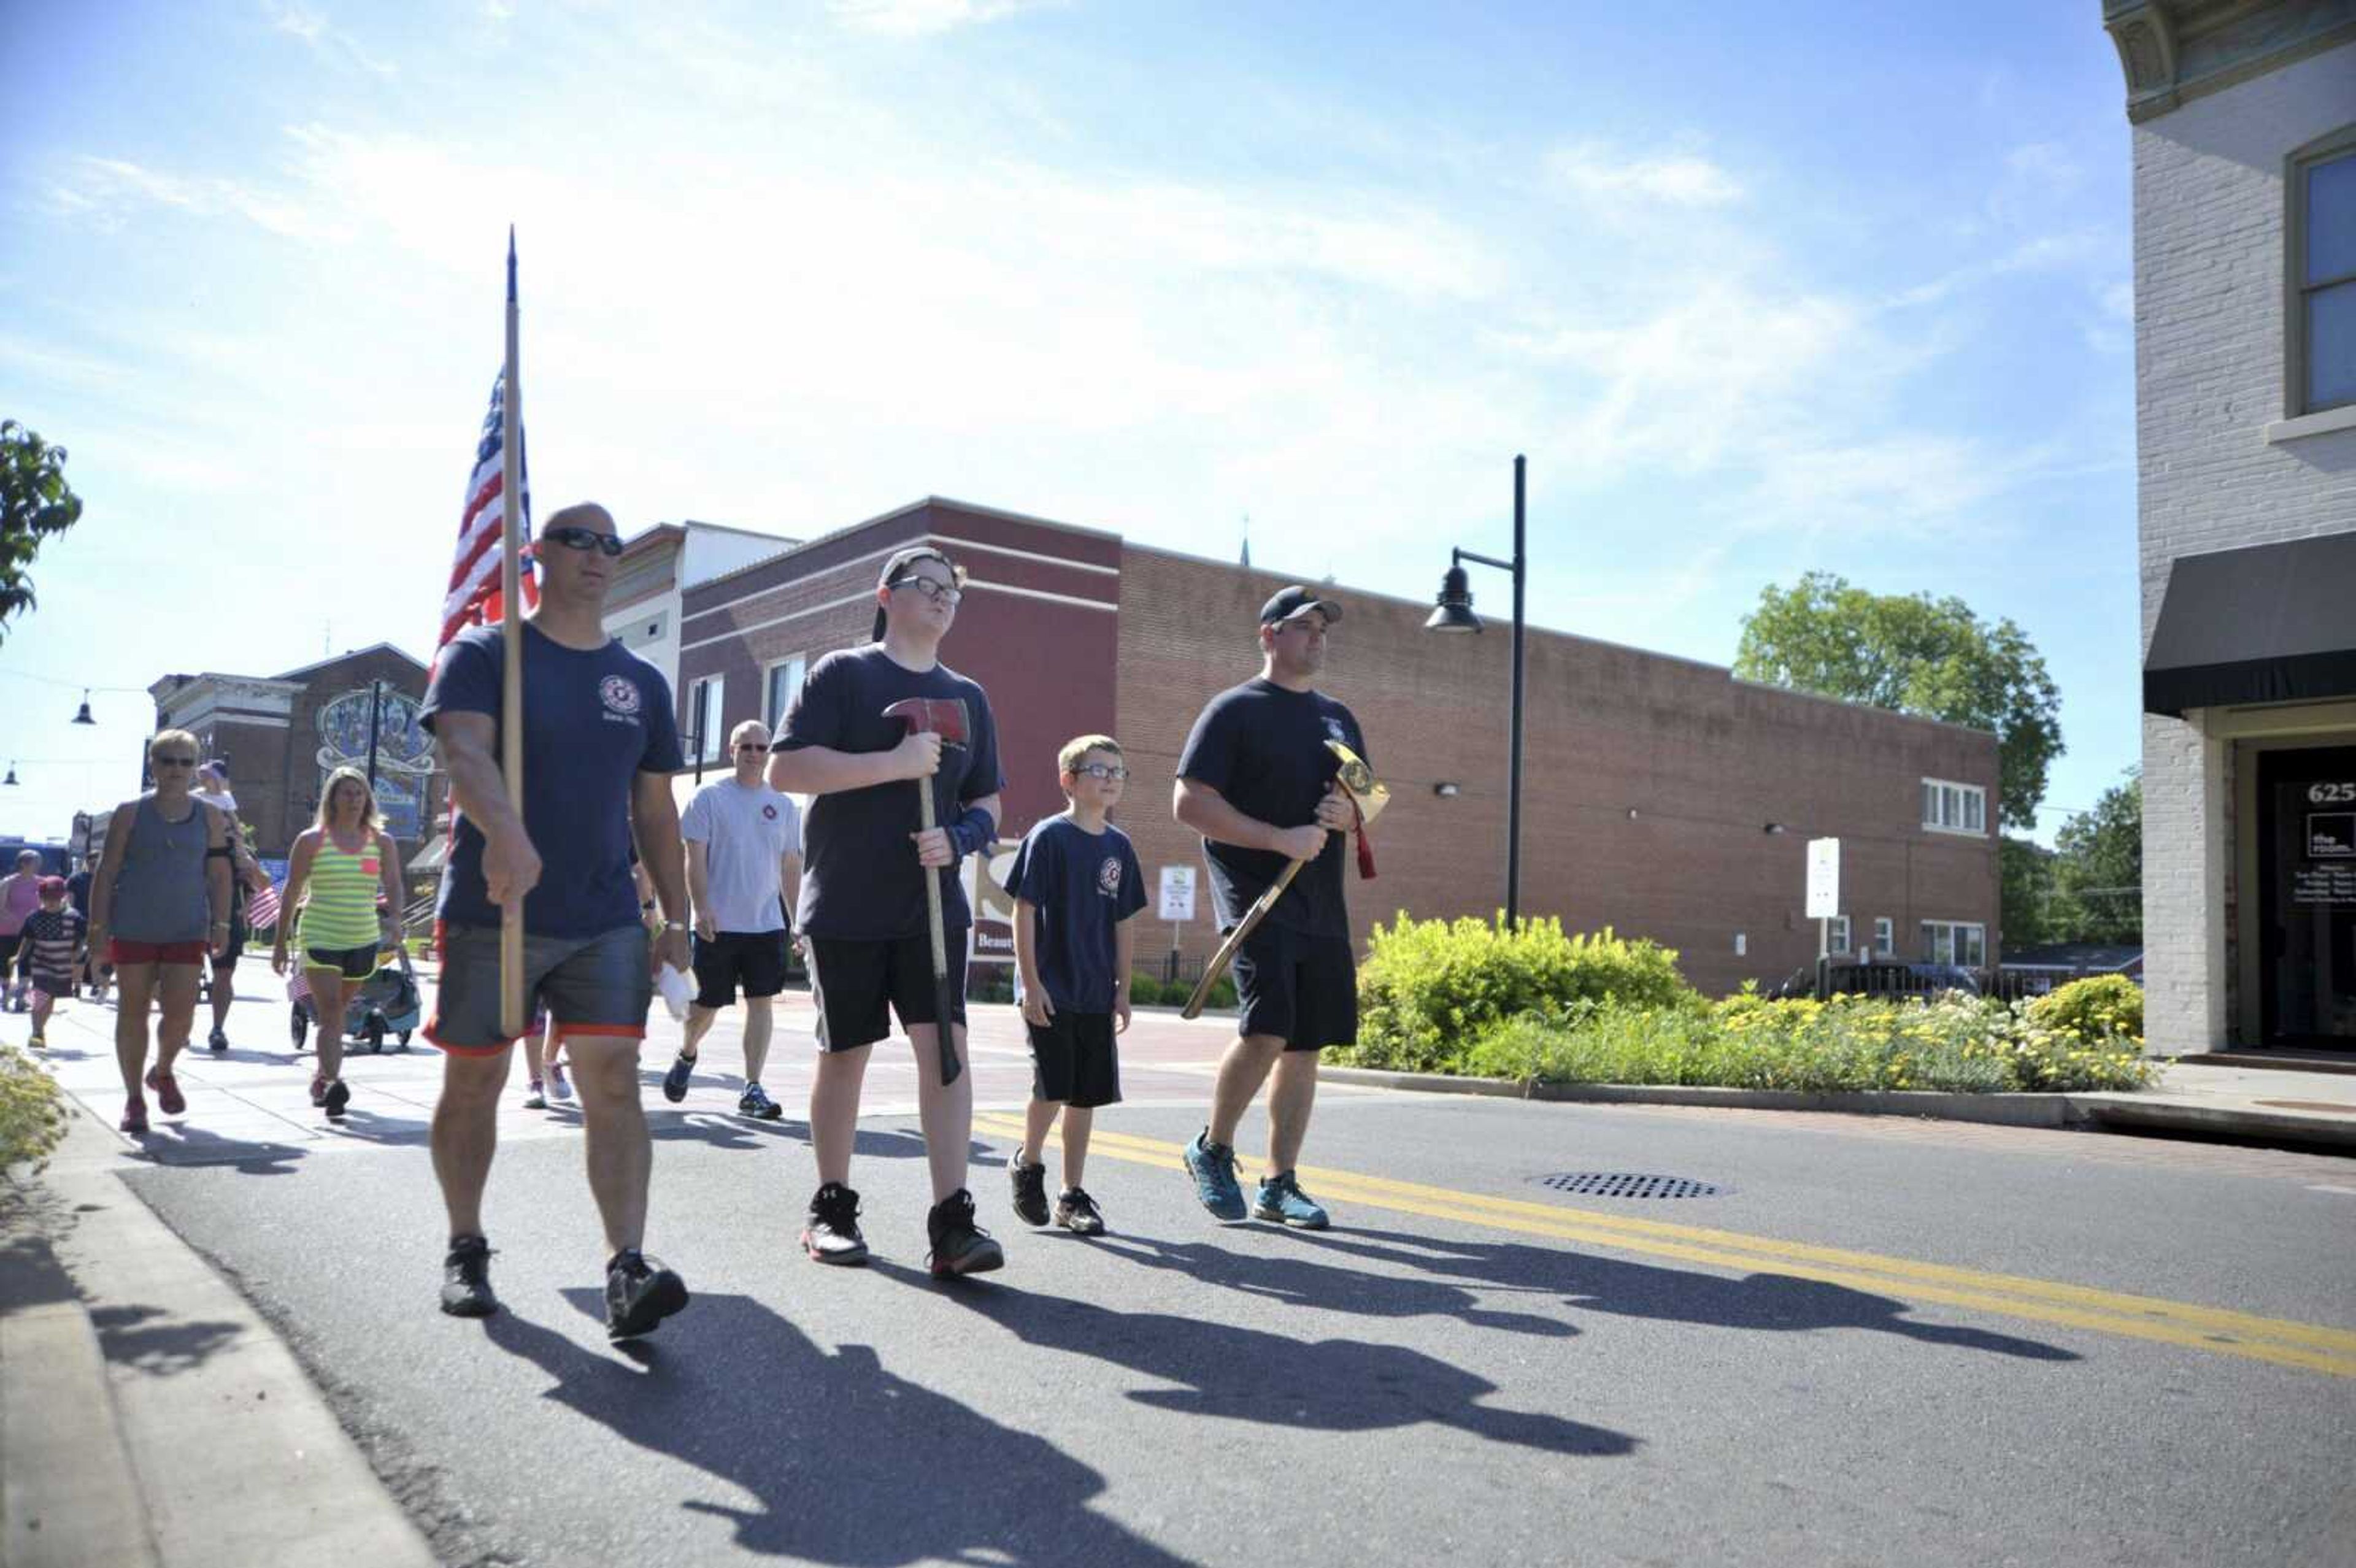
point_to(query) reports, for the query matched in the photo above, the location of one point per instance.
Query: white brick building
(2244, 152)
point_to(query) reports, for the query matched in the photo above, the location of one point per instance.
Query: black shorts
(753, 959)
(1301, 988)
(592, 985)
(1073, 1061)
(236, 948)
(854, 983)
(351, 963)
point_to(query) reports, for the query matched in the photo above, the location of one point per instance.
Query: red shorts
(119, 952)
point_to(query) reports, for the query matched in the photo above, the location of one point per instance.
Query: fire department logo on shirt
(770, 812)
(1108, 877)
(619, 694)
(1333, 728)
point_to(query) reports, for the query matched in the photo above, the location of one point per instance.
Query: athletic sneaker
(755, 1101)
(466, 1278)
(1280, 1198)
(340, 1094)
(41, 1042)
(1030, 1190)
(959, 1246)
(832, 1236)
(318, 1088)
(537, 1099)
(639, 1293)
(1076, 1213)
(1213, 1167)
(135, 1116)
(168, 1098)
(218, 1039)
(675, 1080)
(558, 1086)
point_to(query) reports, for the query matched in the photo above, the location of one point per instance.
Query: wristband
(971, 833)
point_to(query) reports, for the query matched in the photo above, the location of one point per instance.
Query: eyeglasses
(751, 746)
(176, 762)
(939, 591)
(610, 544)
(1111, 773)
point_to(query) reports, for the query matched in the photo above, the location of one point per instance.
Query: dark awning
(2274, 623)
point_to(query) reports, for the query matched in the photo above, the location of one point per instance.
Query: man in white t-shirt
(743, 872)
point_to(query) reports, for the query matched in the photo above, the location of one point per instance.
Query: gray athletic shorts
(589, 985)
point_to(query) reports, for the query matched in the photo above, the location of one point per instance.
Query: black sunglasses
(585, 539)
(176, 762)
(751, 746)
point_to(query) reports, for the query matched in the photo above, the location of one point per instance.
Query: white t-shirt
(745, 830)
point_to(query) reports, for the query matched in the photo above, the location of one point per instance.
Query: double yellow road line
(2305, 1346)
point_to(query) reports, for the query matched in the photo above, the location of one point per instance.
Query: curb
(2097, 1112)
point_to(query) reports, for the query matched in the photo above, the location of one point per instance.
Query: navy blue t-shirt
(860, 881)
(1262, 747)
(593, 722)
(1085, 884)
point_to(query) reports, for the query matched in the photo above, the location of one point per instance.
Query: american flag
(262, 908)
(474, 596)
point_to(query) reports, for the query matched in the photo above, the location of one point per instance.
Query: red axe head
(942, 716)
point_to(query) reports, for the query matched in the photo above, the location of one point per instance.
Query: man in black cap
(1256, 782)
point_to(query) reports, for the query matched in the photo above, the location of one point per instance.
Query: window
(1838, 926)
(784, 685)
(1955, 942)
(706, 735)
(1953, 808)
(2320, 230)
(1885, 936)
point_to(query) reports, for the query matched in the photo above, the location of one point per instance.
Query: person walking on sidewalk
(20, 895)
(743, 870)
(337, 869)
(1256, 782)
(246, 875)
(77, 895)
(49, 954)
(863, 905)
(600, 743)
(160, 905)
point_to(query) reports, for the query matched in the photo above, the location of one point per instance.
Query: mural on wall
(404, 752)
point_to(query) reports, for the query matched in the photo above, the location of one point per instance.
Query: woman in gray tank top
(162, 895)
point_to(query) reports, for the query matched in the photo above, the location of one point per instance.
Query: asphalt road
(1872, 1345)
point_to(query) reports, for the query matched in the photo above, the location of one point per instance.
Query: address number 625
(2332, 793)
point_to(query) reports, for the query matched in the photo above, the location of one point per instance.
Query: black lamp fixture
(1453, 613)
(1447, 789)
(82, 717)
(1773, 828)
(10, 781)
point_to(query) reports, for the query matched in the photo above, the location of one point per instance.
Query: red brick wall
(1704, 761)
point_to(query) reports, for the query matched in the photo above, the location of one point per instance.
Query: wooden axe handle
(1226, 952)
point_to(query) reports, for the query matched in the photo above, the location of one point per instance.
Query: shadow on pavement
(1249, 1374)
(1775, 1302)
(1302, 1282)
(848, 1463)
(126, 1336)
(193, 1145)
(723, 1130)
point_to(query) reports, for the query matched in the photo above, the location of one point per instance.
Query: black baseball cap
(896, 568)
(1294, 601)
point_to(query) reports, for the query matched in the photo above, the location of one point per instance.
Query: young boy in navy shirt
(1075, 883)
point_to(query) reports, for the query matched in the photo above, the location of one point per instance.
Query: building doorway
(2306, 891)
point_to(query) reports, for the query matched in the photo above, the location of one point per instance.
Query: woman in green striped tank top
(333, 877)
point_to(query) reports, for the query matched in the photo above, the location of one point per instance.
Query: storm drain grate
(1626, 1184)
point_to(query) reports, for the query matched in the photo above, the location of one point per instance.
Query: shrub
(1429, 990)
(1221, 1000)
(32, 1113)
(1146, 991)
(2099, 1008)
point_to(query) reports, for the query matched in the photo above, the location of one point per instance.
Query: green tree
(1913, 654)
(2026, 907)
(35, 503)
(2098, 866)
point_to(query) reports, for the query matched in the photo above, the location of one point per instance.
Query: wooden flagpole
(513, 1018)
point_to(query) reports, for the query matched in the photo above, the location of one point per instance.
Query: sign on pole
(1824, 878)
(1177, 894)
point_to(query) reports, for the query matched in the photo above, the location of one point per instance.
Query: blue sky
(1758, 290)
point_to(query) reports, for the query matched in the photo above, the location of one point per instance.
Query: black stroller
(386, 1003)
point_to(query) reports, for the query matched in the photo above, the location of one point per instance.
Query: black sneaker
(466, 1278)
(219, 1040)
(959, 1246)
(1030, 1190)
(755, 1101)
(340, 1094)
(832, 1236)
(639, 1293)
(1076, 1213)
(675, 1080)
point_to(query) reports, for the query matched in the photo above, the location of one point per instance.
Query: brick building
(1661, 796)
(280, 735)
(2244, 119)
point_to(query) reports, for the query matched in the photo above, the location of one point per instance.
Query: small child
(1075, 882)
(50, 952)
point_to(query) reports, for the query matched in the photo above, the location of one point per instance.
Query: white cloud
(911, 18)
(1679, 179)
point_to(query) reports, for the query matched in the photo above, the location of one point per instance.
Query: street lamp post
(1454, 614)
